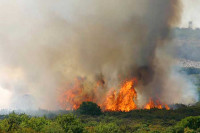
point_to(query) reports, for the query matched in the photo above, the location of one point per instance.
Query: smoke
(46, 44)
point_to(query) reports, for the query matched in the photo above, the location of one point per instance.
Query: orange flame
(156, 104)
(74, 96)
(123, 99)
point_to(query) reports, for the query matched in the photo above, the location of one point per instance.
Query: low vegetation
(183, 119)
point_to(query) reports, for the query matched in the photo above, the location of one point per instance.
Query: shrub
(192, 122)
(69, 122)
(53, 127)
(11, 123)
(107, 128)
(36, 123)
(170, 130)
(187, 130)
(155, 131)
(179, 129)
(25, 130)
(128, 128)
(89, 108)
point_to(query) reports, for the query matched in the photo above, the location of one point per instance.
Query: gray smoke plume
(46, 44)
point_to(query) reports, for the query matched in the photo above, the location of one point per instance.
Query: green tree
(11, 123)
(89, 108)
(107, 128)
(53, 127)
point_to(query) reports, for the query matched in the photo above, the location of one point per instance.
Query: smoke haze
(46, 44)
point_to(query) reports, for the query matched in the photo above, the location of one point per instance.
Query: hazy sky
(191, 12)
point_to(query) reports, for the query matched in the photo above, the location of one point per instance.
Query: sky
(191, 12)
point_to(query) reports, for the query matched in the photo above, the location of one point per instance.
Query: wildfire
(123, 99)
(156, 104)
(74, 96)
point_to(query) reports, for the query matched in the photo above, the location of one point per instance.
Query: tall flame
(124, 99)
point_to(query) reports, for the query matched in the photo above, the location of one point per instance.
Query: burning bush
(89, 108)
